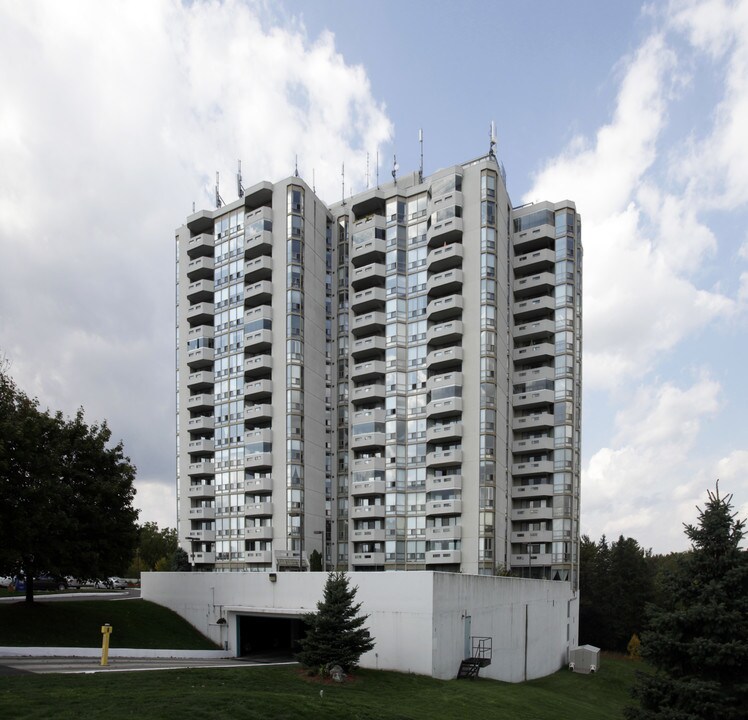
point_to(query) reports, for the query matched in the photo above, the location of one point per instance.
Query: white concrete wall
(416, 618)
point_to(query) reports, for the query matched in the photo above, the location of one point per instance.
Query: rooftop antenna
(367, 170)
(239, 186)
(492, 141)
(420, 140)
(296, 166)
(377, 169)
(395, 168)
(314, 184)
(219, 199)
(342, 181)
(193, 207)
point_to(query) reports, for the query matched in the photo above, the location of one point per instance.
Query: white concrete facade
(421, 621)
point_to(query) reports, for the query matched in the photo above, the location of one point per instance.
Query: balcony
(260, 268)
(262, 435)
(201, 535)
(534, 262)
(533, 422)
(259, 293)
(542, 352)
(367, 511)
(369, 558)
(442, 433)
(259, 412)
(201, 245)
(372, 393)
(532, 514)
(200, 447)
(263, 557)
(367, 276)
(200, 380)
(444, 358)
(200, 291)
(444, 507)
(445, 257)
(369, 370)
(368, 440)
(371, 322)
(537, 307)
(526, 560)
(534, 330)
(200, 402)
(451, 557)
(533, 238)
(203, 558)
(258, 341)
(262, 509)
(445, 283)
(444, 532)
(532, 445)
(200, 469)
(369, 251)
(258, 366)
(370, 299)
(368, 347)
(200, 358)
(264, 532)
(200, 313)
(444, 408)
(444, 308)
(445, 333)
(541, 373)
(541, 467)
(201, 491)
(449, 230)
(258, 461)
(443, 482)
(366, 535)
(448, 379)
(531, 536)
(537, 398)
(258, 389)
(200, 268)
(258, 485)
(203, 513)
(539, 284)
(259, 312)
(525, 492)
(370, 487)
(442, 458)
(200, 424)
(375, 464)
(258, 244)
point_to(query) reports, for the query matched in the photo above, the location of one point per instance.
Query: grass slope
(283, 692)
(77, 623)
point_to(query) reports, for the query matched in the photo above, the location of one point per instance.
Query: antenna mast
(342, 183)
(367, 170)
(219, 199)
(420, 140)
(492, 141)
(395, 168)
(239, 186)
(377, 168)
(296, 166)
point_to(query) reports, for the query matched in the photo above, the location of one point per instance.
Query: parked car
(5, 580)
(43, 582)
(112, 583)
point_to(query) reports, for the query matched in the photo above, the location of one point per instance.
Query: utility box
(584, 659)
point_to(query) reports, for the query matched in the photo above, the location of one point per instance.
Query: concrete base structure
(422, 622)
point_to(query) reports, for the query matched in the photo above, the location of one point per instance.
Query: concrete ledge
(113, 653)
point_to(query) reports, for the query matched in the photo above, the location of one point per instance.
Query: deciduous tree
(65, 493)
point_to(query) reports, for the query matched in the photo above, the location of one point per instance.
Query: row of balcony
(435, 557)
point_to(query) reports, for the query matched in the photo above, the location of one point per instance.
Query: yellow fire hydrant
(106, 631)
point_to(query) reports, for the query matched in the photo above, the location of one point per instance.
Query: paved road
(129, 594)
(21, 665)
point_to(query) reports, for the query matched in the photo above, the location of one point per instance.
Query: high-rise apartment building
(393, 381)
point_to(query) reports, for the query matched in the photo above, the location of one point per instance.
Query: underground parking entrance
(269, 638)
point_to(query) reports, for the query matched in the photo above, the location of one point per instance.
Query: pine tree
(698, 638)
(335, 634)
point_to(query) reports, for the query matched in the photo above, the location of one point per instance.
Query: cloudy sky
(115, 116)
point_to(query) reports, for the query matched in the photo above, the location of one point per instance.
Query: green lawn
(283, 692)
(77, 623)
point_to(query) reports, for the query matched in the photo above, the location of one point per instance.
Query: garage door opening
(269, 639)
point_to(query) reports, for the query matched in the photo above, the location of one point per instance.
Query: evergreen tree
(336, 634)
(698, 637)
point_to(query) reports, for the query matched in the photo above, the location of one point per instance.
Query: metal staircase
(480, 656)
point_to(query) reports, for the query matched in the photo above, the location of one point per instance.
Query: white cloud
(114, 118)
